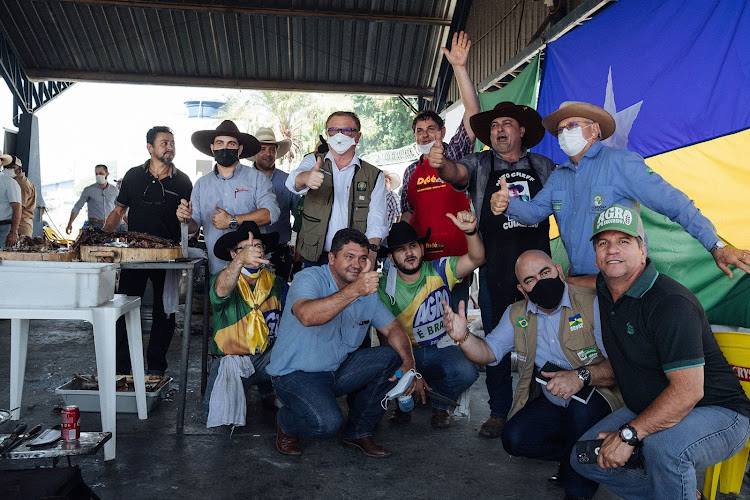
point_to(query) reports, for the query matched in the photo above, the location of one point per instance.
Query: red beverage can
(71, 423)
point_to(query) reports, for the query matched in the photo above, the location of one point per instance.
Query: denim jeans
(545, 431)
(706, 436)
(261, 378)
(310, 407)
(133, 283)
(446, 370)
(497, 378)
(4, 232)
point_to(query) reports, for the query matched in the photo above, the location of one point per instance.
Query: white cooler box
(57, 284)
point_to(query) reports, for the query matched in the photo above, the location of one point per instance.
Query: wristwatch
(584, 375)
(374, 247)
(233, 223)
(719, 244)
(629, 435)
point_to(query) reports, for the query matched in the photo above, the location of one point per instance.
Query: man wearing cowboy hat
(595, 177)
(149, 196)
(414, 291)
(10, 208)
(510, 129)
(13, 168)
(265, 162)
(247, 300)
(231, 193)
(392, 204)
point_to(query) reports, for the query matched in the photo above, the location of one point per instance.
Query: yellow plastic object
(736, 348)
(52, 235)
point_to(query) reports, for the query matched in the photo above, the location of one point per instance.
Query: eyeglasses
(154, 193)
(351, 132)
(573, 125)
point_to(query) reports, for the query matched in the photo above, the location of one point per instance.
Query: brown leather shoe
(368, 447)
(287, 445)
(440, 418)
(492, 427)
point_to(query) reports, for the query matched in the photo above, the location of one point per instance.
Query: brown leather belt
(98, 221)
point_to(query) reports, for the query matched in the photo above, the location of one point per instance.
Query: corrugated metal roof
(386, 46)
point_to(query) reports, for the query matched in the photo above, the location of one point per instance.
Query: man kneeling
(556, 327)
(328, 312)
(247, 302)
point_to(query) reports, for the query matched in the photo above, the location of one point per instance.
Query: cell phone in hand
(588, 451)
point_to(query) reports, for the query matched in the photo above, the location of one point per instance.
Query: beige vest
(577, 342)
(319, 203)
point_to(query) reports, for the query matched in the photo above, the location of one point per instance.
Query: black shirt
(658, 326)
(153, 203)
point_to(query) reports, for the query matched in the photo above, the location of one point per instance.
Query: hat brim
(203, 139)
(282, 147)
(526, 117)
(386, 250)
(606, 123)
(395, 180)
(228, 241)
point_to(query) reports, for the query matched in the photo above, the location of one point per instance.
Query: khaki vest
(577, 342)
(319, 203)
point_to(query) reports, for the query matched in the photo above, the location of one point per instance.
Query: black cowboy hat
(527, 117)
(402, 233)
(203, 139)
(229, 241)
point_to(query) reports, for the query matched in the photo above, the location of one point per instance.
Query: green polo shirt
(658, 326)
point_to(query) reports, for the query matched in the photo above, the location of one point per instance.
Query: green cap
(619, 218)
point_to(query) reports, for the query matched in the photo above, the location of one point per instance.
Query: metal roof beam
(231, 7)
(195, 81)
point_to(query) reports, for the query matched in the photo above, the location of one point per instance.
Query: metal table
(188, 265)
(88, 444)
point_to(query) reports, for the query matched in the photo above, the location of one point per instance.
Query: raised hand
(367, 281)
(455, 323)
(435, 157)
(221, 218)
(315, 176)
(251, 256)
(184, 210)
(459, 52)
(499, 199)
(464, 220)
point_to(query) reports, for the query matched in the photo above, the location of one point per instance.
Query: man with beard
(231, 193)
(150, 195)
(265, 162)
(510, 129)
(414, 292)
(328, 312)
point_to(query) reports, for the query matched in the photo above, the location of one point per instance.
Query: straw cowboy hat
(266, 136)
(527, 117)
(569, 109)
(395, 179)
(203, 139)
(6, 160)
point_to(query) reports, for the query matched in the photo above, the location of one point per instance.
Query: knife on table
(13, 435)
(21, 439)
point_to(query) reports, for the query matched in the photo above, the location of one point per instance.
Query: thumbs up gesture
(367, 280)
(499, 199)
(221, 218)
(435, 157)
(315, 176)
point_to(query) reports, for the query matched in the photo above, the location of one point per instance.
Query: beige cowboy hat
(395, 179)
(569, 109)
(265, 135)
(203, 139)
(6, 160)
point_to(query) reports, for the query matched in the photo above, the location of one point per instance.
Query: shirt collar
(524, 153)
(172, 169)
(592, 151)
(565, 302)
(355, 160)
(638, 289)
(234, 172)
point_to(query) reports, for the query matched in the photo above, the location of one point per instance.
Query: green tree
(386, 123)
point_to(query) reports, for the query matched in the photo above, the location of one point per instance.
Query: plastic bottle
(405, 403)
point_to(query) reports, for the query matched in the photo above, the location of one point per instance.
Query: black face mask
(226, 157)
(547, 293)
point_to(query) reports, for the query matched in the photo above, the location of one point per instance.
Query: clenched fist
(185, 210)
(435, 157)
(367, 281)
(499, 199)
(315, 176)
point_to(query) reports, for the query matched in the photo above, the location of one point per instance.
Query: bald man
(555, 324)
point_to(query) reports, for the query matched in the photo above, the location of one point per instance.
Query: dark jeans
(497, 378)
(545, 431)
(447, 371)
(133, 283)
(310, 407)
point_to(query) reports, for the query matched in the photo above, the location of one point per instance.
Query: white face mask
(424, 149)
(341, 143)
(101, 179)
(572, 141)
(10, 172)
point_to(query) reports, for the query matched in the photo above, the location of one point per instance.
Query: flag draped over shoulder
(522, 90)
(675, 75)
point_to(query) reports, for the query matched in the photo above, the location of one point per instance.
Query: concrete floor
(154, 462)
